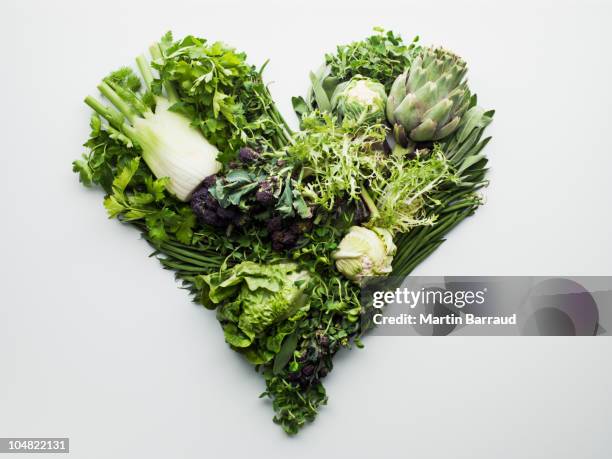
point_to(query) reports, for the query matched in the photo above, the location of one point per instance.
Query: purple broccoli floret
(208, 210)
(248, 155)
(265, 194)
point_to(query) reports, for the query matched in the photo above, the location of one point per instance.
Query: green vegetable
(294, 405)
(241, 113)
(361, 100)
(251, 299)
(427, 101)
(171, 147)
(455, 203)
(222, 94)
(336, 159)
(380, 58)
(280, 239)
(365, 252)
(404, 200)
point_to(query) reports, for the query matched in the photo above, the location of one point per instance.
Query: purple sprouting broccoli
(265, 194)
(286, 233)
(256, 206)
(208, 210)
(314, 361)
(284, 239)
(248, 155)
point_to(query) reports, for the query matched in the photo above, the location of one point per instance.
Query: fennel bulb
(171, 146)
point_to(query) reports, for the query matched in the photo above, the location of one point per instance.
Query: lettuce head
(257, 305)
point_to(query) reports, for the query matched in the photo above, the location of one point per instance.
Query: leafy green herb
(223, 95)
(381, 57)
(294, 405)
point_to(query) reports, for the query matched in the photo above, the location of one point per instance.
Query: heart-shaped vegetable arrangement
(277, 230)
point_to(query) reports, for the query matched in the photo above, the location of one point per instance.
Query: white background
(98, 343)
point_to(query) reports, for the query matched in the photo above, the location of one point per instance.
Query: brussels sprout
(365, 252)
(360, 99)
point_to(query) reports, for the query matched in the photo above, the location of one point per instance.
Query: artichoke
(427, 101)
(360, 99)
(365, 252)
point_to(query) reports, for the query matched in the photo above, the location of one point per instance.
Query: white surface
(97, 341)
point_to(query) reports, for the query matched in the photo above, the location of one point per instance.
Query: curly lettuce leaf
(257, 305)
